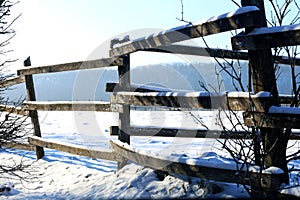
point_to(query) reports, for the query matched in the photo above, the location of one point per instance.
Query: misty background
(89, 85)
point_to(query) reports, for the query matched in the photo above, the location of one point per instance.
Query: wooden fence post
(263, 75)
(33, 113)
(124, 114)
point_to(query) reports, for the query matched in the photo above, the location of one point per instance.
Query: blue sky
(58, 31)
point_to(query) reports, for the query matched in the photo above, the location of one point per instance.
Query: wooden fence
(124, 94)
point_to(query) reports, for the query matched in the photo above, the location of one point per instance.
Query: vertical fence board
(124, 114)
(263, 77)
(33, 113)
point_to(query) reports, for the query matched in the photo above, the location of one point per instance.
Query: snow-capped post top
(118, 41)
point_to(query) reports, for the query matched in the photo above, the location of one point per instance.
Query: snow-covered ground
(64, 176)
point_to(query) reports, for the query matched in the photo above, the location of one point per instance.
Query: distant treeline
(90, 84)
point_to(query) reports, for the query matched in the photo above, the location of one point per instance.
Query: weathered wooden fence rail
(206, 172)
(213, 52)
(74, 149)
(267, 37)
(69, 106)
(258, 110)
(241, 18)
(201, 100)
(91, 64)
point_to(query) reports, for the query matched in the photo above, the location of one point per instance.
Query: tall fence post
(124, 113)
(263, 75)
(33, 114)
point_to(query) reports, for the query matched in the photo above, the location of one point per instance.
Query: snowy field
(64, 176)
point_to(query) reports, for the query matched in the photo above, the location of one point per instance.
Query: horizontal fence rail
(13, 110)
(92, 64)
(114, 87)
(188, 133)
(73, 149)
(267, 37)
(257, 106)
(241, 18)
(195, 170)
(69, 106)
(19, 145)
(217, 53)
(272, 120)
(201, 100)
(12, 81)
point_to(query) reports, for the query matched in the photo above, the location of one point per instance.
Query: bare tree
(270, 150)
(13, 125)
(279, 14)
(254, 148)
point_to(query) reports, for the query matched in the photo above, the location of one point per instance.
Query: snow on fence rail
(267, 37)
(243, 17)
(187, 167)
(13, 109)
(201, 100)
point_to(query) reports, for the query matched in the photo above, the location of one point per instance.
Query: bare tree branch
(13, 128)
(236, 3)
